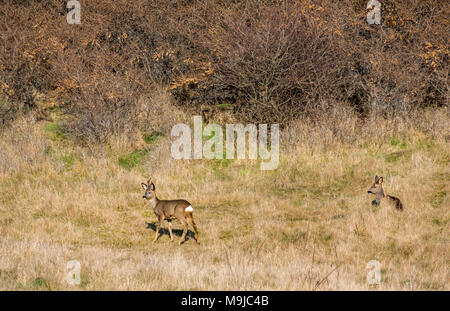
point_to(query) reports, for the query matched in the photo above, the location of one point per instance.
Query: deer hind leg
(191, 221)
(185, 228)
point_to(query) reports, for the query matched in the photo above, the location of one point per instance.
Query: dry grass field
(309, 225)
(87, 108)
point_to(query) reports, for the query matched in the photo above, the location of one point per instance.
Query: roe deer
(381, 198)
(170, 210)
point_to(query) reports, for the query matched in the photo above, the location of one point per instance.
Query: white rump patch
(189, 209)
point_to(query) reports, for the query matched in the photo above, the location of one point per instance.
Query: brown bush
(402, 64)
(25, 69)
(268, 60)
(271, 63)
(396, 67)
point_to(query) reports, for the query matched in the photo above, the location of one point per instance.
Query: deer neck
(380, 195)
(154, 202)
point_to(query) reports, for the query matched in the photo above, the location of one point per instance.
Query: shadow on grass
(176, 232)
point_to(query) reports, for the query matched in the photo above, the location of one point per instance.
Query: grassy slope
(307, 225)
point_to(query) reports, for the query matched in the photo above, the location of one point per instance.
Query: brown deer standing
(381, 198)
(170, 210)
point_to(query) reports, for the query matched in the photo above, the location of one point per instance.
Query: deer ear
(144, 186)
(152, 187)
(376, 179)
(380, 181)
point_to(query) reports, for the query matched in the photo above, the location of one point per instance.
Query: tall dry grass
(106, 94)
(308, 225)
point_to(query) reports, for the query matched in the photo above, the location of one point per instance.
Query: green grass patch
(375, 208)
(396, 156)
(65, 157)
(437, 199)
(224, 106)
(293, 237)
(54, 131)
(68, 159)
(395, 141)
(425, 144)
(439, 221)
(226, 235)
(40, 283)
(152, 137)
(325, 237)
(220, 166)
(132, 159)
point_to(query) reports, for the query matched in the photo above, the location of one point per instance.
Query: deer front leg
(157, 229)
(170, 230)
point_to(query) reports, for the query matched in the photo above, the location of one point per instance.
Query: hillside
(87, 112)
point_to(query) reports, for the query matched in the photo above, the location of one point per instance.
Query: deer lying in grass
(170, 210)
(381, 198)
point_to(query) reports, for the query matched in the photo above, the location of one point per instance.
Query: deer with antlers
(170, 210)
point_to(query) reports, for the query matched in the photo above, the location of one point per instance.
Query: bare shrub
(266, 61)
(25, 69)
(402, 64)
(159, 112)
(106, 109)
(270, 62)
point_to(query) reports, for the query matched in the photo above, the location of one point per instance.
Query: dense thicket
(266, 61)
